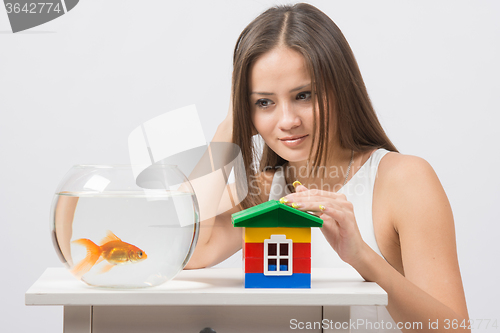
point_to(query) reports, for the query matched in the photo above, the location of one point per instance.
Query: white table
(202, 298)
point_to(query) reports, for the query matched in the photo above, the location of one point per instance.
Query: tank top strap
(372, 167)
(359, 191)
(375, 161)
(363, 181)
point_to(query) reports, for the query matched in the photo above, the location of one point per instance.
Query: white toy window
(278, 255)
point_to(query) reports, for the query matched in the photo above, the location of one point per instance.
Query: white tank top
(359, 191)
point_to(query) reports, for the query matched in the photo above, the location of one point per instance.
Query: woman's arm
(220, 241)
(217, 239)
(431, 288)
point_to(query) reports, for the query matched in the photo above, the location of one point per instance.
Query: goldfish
(112, 249)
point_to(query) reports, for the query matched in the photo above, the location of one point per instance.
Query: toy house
(277, 248)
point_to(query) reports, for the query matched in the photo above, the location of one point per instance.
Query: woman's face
(280, 97)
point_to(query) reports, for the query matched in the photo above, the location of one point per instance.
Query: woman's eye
(304, 95)
(263, 103)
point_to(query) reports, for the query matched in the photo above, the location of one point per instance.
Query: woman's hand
(339, 224)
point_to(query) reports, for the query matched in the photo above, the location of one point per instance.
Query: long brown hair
(336, 80)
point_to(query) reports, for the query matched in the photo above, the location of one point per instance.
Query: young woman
(296, 83)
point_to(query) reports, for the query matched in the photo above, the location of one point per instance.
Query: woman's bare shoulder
(396, 167)
(407, 181)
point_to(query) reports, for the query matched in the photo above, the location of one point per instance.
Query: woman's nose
(288, 118)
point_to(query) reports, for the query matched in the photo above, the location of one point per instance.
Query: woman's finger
(317, 206)
(299, 187)
(314, 202)
(303, 193)
(328, 210)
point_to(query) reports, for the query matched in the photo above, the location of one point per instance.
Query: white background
(73, 89)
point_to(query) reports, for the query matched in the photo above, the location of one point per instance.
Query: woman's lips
(292, 142)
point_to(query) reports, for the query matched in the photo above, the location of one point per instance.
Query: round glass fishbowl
(124, 226)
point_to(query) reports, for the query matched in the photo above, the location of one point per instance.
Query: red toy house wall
(254, 257)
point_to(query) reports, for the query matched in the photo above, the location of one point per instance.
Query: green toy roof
(272, 214)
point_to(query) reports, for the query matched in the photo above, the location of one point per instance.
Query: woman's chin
(296, 160)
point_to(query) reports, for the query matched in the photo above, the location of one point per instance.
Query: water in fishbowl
(125, 239)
